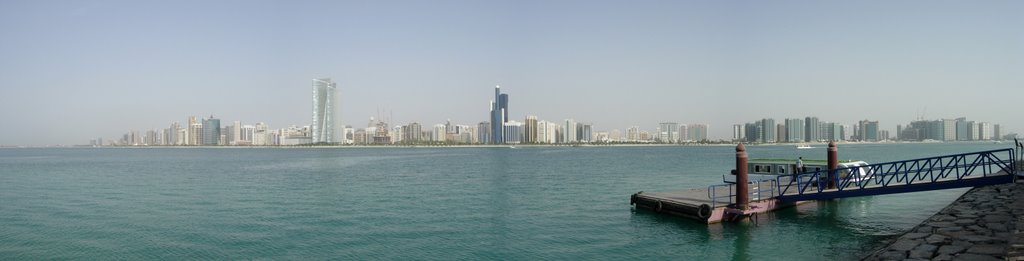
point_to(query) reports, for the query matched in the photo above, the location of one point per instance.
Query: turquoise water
(421, 203)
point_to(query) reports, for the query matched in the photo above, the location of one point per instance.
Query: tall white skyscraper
(570, 131)
(236, 133)
(326, 112)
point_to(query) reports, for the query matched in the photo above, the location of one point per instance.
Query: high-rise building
(483, 134)
(236, 133)
(439, 133)
(780, 133)
(586, 132)
(134, 138)
(915, 131)
(570, 131)
(224, 133)
(513, 131)
(684, 133)
(697, 132)
(531, 130)
(948, 129)
(149, 139)
(195, 131)
(165, 135)
(645, 136)
(831, 131)
(985, 130)
(182, 138)
(997, 132)
(546, 132)
(326, 126)
(246, 135)
(261, 135)
(871, 131)
(380, 134)
(468, 135)
(767, 130)
(668, 132)
(211, 131)
(972, 131)
(739, 132)
(795, 130)
(175, 134)
(499, 115)
(867, 130)
(936, 131)
(412, 132)
(812, 130)
(633, 134)
(752, 131)
(962, 129)
(397, 134)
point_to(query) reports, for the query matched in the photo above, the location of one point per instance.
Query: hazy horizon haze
(75, 71)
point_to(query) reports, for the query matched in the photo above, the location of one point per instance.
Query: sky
(71, 71)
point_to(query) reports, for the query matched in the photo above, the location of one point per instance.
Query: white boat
(803, 147)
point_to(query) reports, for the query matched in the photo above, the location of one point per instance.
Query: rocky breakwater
(986, 223)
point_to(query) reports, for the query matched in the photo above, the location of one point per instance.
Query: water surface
(422, 203)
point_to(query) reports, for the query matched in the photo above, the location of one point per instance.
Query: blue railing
(901, 173)
(756, 189)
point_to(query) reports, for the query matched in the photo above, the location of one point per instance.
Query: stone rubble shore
(986, 223)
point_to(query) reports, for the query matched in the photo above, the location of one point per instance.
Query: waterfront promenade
(986, 223)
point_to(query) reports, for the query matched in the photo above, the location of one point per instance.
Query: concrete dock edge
(986, 223)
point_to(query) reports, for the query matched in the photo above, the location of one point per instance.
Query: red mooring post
(742, 193)
(833, 164)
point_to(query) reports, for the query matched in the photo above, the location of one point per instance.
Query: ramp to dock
(934, 173)
(714, 203)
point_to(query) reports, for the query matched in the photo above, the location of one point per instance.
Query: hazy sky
(71, 71)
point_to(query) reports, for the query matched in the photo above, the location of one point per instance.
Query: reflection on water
(741, 244)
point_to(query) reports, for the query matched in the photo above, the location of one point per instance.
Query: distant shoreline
(813, 145)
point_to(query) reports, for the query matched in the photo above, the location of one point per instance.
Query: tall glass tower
(326, 112)
(211, 131)
(499, 115)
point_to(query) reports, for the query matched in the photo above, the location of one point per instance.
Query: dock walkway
(706, 204)
(719, 202)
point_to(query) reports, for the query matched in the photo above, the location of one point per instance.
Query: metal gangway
(934, 173)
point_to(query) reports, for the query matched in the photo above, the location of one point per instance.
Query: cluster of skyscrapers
(959, 129)
(670, 132)
(326, 129)
(203, 132)
(808, 129)
(209, 132)
(500, 129)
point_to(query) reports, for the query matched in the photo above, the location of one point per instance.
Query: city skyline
(571, 132)
(534, 130)
(105, 67)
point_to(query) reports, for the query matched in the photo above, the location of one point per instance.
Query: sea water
(527, 203)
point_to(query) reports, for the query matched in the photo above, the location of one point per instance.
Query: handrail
(756, 193)
(905, 172)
